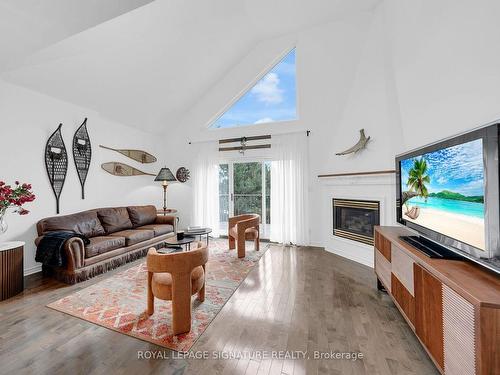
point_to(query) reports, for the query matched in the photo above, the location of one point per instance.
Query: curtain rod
(244, 139)
(243, 148)
(216, 140)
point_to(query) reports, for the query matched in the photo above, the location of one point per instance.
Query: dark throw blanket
(50, 249)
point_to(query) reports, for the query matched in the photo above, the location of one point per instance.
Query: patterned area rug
(119, 302)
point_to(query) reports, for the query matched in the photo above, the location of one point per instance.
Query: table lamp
(165, 176)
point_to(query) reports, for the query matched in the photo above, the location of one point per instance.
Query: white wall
(409, 73)
(370, 103)
(446, 63)
(26, 121)
(326, 61)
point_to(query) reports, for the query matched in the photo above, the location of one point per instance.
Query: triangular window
(273, 98)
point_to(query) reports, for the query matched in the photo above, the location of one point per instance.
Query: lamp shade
(165, 175)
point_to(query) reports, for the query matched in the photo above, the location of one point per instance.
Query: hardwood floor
(296, 299)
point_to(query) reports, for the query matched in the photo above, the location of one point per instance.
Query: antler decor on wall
(82, 153)
(363, 141)
(56, 163)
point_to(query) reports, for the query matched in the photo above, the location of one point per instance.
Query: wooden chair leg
(257, 243)
(241, 246)
(151, 297)
(232, 242)
(201, 293)
(181, 303)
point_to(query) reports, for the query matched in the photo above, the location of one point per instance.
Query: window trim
(247, 88)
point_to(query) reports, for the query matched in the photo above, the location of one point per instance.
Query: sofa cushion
(114, 219)
(103, 244)
(142, 215)
(133, 236)
(86, 223)
(159, 229)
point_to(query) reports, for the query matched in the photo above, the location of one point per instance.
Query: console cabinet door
(402, 268)
(404, 299)
(429, 313)
(383, 269)
(402, 283)
(383, 245)
(459, 322)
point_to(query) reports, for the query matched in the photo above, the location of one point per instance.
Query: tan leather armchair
(176, 277)
(241, 228)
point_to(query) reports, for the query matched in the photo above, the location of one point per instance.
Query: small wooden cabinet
(452, 306)
(11, 269)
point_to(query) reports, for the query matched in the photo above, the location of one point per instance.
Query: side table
(11, 269)
(168, 212)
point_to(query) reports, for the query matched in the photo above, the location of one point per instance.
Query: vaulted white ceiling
(147, 66)
(27, 26)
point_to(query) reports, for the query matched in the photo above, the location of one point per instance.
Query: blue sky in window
(272, 99)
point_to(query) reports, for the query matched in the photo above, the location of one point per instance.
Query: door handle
(232, 197)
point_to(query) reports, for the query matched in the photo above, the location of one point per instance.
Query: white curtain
(289, 189)
(206, 187)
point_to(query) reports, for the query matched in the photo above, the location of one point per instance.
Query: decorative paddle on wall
(82, 153)
(56, 163)
(123, 170)
(137, 155)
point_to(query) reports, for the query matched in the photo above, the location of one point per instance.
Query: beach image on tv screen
(444, 191)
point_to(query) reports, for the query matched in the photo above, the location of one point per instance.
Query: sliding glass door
(245, 187)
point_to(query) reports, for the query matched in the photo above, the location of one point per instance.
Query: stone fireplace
(355, 219)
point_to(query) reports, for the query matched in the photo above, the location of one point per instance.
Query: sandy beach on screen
(464, 228)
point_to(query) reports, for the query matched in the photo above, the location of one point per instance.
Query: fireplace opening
(355, 219)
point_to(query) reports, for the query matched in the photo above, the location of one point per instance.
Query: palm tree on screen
(418, 178)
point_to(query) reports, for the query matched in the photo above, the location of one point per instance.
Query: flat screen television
(449, 193)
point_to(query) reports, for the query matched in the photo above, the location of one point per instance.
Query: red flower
(17, 196)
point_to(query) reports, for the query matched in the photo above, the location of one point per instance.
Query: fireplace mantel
(388, 171)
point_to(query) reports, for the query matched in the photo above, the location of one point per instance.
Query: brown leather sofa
(117, 235)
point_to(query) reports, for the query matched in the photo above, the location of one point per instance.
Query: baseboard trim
(316, 244)
(359, 259)
(32, 270)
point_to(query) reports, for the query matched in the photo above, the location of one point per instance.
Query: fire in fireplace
(355, 219)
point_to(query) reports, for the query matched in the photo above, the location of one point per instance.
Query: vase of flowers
(13, 197)
(3, 223)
